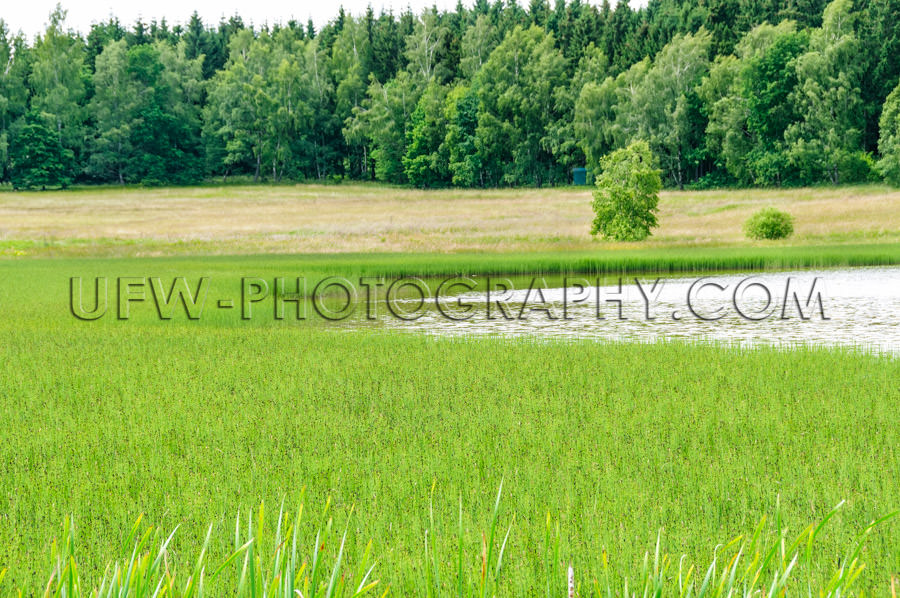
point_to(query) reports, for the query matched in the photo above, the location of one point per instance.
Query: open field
(361, 218)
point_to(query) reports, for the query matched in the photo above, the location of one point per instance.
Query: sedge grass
(187, 423)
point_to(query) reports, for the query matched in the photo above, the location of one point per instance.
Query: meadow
(353, 218)
(601, 448)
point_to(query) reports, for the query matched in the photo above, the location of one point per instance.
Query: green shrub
(769, 223)
(627, 194)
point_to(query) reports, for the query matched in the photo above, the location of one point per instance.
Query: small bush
(769, 223)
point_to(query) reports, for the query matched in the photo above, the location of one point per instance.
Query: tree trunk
(119, 165)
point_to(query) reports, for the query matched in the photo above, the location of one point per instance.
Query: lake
(853, 307)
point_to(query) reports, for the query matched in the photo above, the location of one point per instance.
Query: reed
(766, 563)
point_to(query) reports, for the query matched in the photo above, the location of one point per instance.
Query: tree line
(724, 92)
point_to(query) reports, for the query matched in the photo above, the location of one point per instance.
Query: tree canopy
(500, 94)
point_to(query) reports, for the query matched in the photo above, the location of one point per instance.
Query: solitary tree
(627, 194)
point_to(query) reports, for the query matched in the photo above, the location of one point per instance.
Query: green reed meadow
(398, 444)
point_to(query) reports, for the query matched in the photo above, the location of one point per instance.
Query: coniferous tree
(13, 92)
(101, 35)
(37, 158)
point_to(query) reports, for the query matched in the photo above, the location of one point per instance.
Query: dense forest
(725, 92)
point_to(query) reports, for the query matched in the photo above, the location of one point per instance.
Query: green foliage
(724, 92)
(656, 103)
(769, 223)
(146, 113)
(242, 104)
(13, 93)
(627, 194)
(747, 98)
(57, 80)
(590, 110)
(879, 40)
(384, 119)
(422, 47)
(766, 83)
(114, 108)
(522, 94)
(352, 55)
(889, 142)
(37, 158)
(478, 42)
(426, 159)
(174, 123)
(461, 113)
(272, 109)
(824, 142)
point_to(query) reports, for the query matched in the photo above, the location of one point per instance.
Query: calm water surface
(856, 307)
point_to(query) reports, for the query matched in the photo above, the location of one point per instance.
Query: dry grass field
(363, 218)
